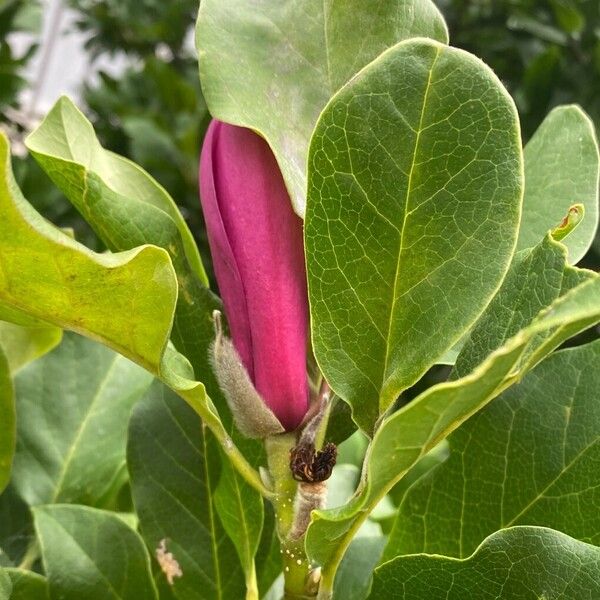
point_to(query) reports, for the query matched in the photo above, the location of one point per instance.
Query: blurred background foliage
(547, 52)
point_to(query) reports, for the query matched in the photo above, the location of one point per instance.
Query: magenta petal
(257, 248)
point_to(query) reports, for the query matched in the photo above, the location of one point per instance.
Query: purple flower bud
(257, 248)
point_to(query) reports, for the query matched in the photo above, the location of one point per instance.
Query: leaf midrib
(395, 295)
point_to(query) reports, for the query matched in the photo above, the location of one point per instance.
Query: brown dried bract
(310, 466)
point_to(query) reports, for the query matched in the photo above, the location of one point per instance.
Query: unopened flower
(258, 256)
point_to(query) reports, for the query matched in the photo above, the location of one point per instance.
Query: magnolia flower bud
(257, 248)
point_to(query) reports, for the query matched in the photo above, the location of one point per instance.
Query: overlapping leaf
(520, 562)
(73, 408)
(174, 468)
(531, 457)
(562, 168)
(92, 554)
(272, 66)
(409, 433)
(413, 206)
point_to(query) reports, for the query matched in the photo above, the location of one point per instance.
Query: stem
(252, 584)
(31, 555)
(296, 567)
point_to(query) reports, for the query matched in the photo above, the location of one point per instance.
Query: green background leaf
(90, 553)
(296, 55)
(413, 207)
(73, 406)
(27, 585)
(7, 421)
(531, 457)
(528, 563)
(174, 468)
(562, 168)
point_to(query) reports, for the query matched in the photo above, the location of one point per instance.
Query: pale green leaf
(531, 457)
(528, 563)
(415, 181)
(90, 553)
(125, 205)
(8, 432)
(355, 573)
(24, 344)
(174, 466)
(562, 168)
(272, 66)
(125, 300)
(72, 411)
(404, 437)
(5, 585)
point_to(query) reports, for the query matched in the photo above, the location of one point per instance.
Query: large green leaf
(27, 585)
(92, 554)
(128, 208)
(72, 407)
(5, 585)
(125, 300)
(529, 458)
(562, 168)
(414, 195)
(174, 469)
(408, 434)
(528, 563)
(7, 421)
(22, 344)
(272, 66)
(125, 205)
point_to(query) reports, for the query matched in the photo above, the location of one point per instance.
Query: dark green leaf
(92, 554)
(174, 468)
(7, 421)
(27, 585)
(532, 457)
(524, 563)
(414, 195)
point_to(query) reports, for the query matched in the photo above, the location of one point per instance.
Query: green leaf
(273, 66)
(241, 512)
(355, 573)
(174, 467)
(90, 553)
(125, 300)
(72, 411)
(24, 344)
(562, 168)
(27, 585)
(16, 526)
(529, 458)
(528, 563)
(405, 436)
(8, 432)
(536, 278)
(124, 204)
(127, 208)
(413, 209)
